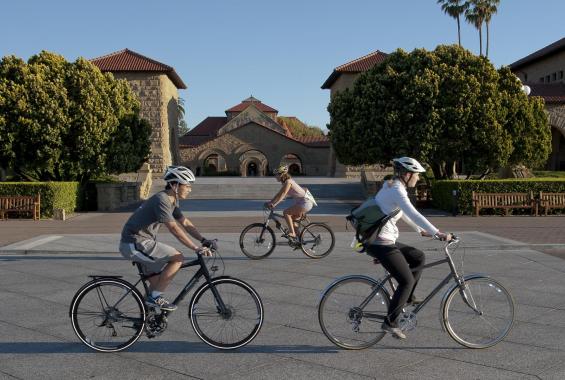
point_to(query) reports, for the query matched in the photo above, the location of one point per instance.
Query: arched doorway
(294, 164)
(253, 163)
(252, 169)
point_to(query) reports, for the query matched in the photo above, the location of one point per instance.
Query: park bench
(20, 204)
(548, 201)
(505, 201)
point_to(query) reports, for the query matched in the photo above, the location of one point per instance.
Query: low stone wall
(112, 196)
(143, 176)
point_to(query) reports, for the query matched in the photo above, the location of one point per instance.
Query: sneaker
(160, 302)
(395, 331)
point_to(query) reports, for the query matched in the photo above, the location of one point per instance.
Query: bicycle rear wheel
(317, 240)
(352, 311)
(238, 325)
(485, 319)
(108, 315)
(257, 241)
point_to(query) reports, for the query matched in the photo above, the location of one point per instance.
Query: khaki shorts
(153, 256)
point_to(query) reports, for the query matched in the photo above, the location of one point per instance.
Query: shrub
(443, 199)
(54, 195)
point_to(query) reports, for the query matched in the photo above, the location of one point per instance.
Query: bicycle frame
(279, 219)
(202, 272)
(459, 281)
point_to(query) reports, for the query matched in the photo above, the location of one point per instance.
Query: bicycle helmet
(407, 164)
(179, 174)
(282, 169)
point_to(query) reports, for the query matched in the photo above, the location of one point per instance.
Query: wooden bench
(20, 203)
(551, 200)
(504, 201)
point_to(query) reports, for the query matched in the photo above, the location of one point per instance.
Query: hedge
(443, 199)
(54, 195)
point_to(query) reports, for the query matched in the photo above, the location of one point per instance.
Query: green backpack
(368, 219)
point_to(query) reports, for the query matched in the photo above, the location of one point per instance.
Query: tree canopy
(67, 121)
(298, 128)
(441, 107)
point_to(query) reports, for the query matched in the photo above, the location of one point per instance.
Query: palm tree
(454, 8)
(183, 127)
(490, 10)
(475, 15)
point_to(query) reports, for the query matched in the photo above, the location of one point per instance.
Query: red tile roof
(314, 140)
(247, 102)
(127, 60)
(206, 130)
(555, 47)
(356, 66)
(550, 92)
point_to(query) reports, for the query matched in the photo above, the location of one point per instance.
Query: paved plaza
(40, 273)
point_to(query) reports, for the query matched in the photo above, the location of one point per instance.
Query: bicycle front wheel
(317, 240)
(108, 315)
(479, 315)
(352, 311)
(233, 327)
(257, 241)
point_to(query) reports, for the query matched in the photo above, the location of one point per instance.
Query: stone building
(156, 85)
(543, 72)
(343, 77)
(251, 141)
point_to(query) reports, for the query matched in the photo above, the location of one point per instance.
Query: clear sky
(278, 51)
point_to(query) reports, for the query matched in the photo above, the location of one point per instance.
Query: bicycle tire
(339, 313)
(243, 304)
(467, 327)
(108, 314)
(311, 237)
(249, 239)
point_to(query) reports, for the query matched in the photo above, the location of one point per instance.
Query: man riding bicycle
(139, 236)
(303, 200)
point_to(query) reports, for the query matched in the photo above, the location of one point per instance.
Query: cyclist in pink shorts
(303, 200)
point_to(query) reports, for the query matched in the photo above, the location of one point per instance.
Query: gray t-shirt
(142, 227)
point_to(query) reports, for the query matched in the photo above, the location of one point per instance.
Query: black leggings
(405, 264)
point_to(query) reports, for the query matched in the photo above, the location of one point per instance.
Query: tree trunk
(481, 40)
(450, 169)
(484, 174)
(438, 169)
(487, 39)
(458, 31)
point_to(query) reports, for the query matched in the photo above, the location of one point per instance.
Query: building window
(561, 74)
(525, 77)
(554, 76)
(547, 79)
(541, 80)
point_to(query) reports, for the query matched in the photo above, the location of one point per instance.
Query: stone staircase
(267, 187)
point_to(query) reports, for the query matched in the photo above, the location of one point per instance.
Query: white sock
(155, 293)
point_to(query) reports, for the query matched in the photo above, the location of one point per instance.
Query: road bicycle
(109, 314)
(257, 240)
(476, 311)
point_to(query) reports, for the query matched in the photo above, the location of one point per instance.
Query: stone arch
(294, 163)
(556, 159)
(253, 162)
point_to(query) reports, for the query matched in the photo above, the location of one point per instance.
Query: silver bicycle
(476, 310)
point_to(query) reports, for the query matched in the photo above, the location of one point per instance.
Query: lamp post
(526, 89)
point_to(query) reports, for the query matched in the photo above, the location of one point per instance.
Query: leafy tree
(298, 128)
(454, 8)
(60, 120)
(442, 107)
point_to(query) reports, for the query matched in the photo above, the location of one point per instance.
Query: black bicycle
(476, 311)
(257, 241)
(109, 314)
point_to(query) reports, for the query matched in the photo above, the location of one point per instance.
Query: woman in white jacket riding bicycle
(403, 262)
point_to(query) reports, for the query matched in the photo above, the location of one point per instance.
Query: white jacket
(393, 196)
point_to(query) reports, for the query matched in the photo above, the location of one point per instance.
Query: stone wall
(112, 196)
(345, 80)
(273, 147)
(547, 66)
(157, 95)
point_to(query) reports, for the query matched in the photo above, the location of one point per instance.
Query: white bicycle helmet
(407, 164)
(179, 174)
